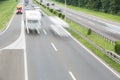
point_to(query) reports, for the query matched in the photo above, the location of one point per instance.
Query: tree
(105, 5)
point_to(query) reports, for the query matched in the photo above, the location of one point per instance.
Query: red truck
(19, 10)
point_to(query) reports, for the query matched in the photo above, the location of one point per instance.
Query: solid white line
(25, 52)
(44, 31)
(109, 68)
(73, 77)
(54, 46)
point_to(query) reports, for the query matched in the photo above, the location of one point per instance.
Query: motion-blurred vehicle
(32, 21)
(57, 9)
(27, 8)
(19, 10)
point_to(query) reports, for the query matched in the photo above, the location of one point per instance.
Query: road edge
(96, 57)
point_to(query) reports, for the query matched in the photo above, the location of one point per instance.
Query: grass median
(92, 12)
(98, 40)
(7, 8)
(93, 37)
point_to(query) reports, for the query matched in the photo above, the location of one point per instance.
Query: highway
(51, 57)
(108, 28)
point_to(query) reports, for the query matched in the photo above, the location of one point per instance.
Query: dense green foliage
(107, 6)
(117, 47)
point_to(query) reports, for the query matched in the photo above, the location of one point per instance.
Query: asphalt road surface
(12, 33)
(51, 57)
(108, 28)
(12, 64)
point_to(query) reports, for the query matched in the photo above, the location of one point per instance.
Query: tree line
(107, 6)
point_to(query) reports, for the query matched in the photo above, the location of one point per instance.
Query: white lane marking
(109, 68)
(44, 31)
(54, 46)
(25, 52)
(73, 77)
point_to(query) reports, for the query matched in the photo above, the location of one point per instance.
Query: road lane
(76, 53)
(44, 63)
(109, 28)
(96, 26)
(12, 33)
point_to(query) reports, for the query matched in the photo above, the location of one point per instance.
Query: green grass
(92, 12)
(109, 61)
(93, 37)
(6, 11)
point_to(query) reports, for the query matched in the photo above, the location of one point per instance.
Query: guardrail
(113, 56)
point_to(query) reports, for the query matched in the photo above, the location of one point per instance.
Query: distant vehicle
(27, 8)
(52, 4)
(33, 21)
(48, 4)
(33, 5)
(26, 2)
(58, 9)
(19, 10)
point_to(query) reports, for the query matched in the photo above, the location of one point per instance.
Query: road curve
(12, 33)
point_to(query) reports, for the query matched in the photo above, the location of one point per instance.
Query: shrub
(89, 31)
(51, 10)
(59, 14)
(55, 12)
(63, 16)
(117, 47)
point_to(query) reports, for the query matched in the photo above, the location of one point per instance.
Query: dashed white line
(54, 47)
(73, 77)
(44, 31)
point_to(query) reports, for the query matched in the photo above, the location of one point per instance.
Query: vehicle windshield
(32, 21)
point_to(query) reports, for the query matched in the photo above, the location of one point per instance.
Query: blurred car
(58, 9)
(52, 4)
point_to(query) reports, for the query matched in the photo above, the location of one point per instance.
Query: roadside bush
(117, 47)
(51, 10)
(59, 14)
(55, 12)
(89, 31)
(62, 16)
(48, 8)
